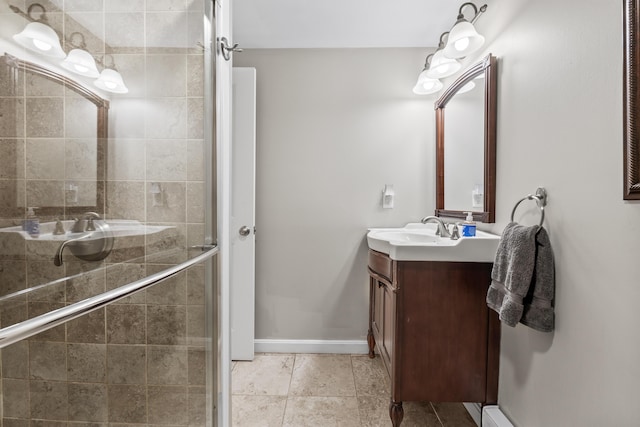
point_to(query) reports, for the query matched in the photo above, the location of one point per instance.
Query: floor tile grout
(436, 412)
(363, 413)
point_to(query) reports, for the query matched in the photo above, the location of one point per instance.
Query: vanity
(428, 317)
(430, 324)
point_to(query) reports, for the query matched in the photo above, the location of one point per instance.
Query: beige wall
(560, 126)
(333, 127)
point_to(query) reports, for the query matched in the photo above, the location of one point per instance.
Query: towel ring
(541, 200)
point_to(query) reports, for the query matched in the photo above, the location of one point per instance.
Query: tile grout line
(436, 412)
(355, 388)
(286, 401)
(288, 405)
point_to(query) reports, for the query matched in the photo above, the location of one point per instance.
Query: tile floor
(326, 390)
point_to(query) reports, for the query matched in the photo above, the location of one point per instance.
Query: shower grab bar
(28, 328)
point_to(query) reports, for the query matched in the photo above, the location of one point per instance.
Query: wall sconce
(37, 35)
(80, 61)
(462, 40)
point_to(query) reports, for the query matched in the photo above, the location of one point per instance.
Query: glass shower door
(115, 162)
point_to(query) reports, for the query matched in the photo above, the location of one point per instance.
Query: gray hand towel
(522, 285)
(538, 304)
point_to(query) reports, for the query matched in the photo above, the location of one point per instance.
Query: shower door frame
(213, 318)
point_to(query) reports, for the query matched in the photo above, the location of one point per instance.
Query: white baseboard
(475, 410)
(312, 346)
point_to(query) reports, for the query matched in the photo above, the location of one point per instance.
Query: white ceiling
(341, 23)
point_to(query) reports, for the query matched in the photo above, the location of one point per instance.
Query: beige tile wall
(140, 360)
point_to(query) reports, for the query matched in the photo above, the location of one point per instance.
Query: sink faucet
(442, 228)
(86, 223)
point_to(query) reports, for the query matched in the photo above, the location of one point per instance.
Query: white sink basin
(418, 242)
(117, 227)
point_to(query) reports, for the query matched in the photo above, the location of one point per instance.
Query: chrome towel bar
(28, 328)
(541, 200)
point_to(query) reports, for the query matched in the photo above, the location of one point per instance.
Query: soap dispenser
(32, 223)
(469, 226)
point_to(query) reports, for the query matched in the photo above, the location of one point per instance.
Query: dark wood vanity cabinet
(432, 328)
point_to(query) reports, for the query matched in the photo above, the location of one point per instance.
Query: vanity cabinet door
(388, 325)
(382, 323)
(378, 308)
(444, 332)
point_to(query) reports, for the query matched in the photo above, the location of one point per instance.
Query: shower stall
(108, 264)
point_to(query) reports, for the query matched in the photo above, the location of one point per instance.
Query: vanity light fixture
(463, 38)
(37, 35)
(80, 61)
(40, 37)
(425, 84)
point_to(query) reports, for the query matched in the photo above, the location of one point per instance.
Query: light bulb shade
(81, 62)
(111, 81)
(40, 38)
(422, 77)
(463, 40)
(426, 86)
(441, 66)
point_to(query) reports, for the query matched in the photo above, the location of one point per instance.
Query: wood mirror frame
(631, 87)
(488, 66)
(102, 111)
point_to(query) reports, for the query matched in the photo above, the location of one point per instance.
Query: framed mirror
(64, 134)
(466, 144)
(631, 64)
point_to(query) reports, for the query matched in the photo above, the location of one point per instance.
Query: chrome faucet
(86, 223)
(57, 258)
(442, 228)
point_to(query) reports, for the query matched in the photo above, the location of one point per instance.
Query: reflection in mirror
(464, 151)
(64, 140)
(466, 142)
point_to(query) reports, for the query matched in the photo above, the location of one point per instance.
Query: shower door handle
(244, 231)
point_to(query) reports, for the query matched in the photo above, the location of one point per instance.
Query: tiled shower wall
(140, 360)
